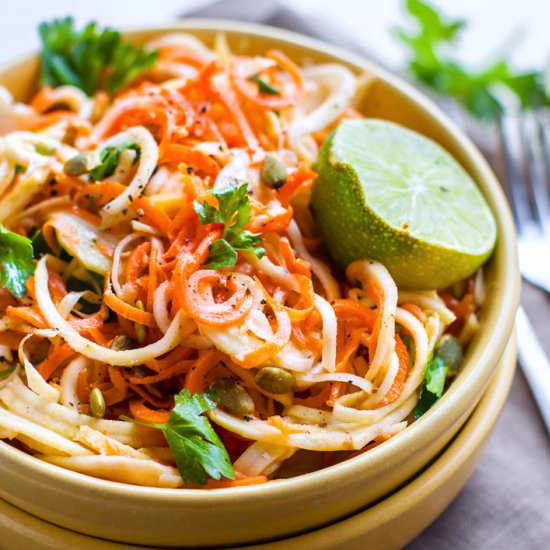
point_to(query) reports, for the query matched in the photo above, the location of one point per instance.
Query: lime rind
(414, 162)
(366, 205)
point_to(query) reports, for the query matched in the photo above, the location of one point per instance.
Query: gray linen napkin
(272, 12)
(506, 503)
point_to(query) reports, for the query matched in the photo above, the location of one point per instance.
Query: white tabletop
(492, 22)
(506, 503)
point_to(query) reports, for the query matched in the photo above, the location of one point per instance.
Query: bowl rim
(508, 286)
(470, 440)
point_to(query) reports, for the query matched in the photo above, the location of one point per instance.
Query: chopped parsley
(263, 86)
(234, 212)
(16, 261)
(109, 158)
(435, 376)
(197, 449)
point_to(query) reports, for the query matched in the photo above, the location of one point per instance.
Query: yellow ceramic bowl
(389, 524)
(280, 508)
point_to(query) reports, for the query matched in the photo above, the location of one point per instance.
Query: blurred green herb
(16, 259)
(432, 389)
(42, 150)
(39, 245)
(263, 86)
(90, 59)
(445, 363)
(6, 372)
(431, 62)
(109, 158)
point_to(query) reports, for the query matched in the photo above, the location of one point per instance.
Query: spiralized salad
(169, 316)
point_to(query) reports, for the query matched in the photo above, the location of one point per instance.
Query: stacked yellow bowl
(284, 508)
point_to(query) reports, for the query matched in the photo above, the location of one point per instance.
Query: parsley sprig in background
(430, 42)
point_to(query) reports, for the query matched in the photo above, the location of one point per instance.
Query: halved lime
(389, 194)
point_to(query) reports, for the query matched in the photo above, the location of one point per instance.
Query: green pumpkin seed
(232, 397)
(97, 403)
(141, 331)
(450, 351)
(79, 164)
(122, 342)
(273, 172)
(275, 380)
(140, 371)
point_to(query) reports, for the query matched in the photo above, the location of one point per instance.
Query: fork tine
(511, 150)
(509, 171)
(535, 168)
(542, 125)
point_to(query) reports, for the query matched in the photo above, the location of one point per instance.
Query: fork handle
(534, 364)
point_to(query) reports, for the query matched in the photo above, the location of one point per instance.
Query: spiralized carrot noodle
(138, 297)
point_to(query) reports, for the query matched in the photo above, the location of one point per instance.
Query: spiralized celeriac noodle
(126, 259)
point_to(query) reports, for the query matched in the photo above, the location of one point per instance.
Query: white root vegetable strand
(90, 349)
(178, 252)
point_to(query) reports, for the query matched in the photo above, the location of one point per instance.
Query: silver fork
(524, 144)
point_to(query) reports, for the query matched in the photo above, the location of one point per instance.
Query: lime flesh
(386, 193)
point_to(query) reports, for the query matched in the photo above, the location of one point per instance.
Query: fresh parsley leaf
(42, 150)
(222, 254)
(234, 211)
(19, 168)
(191, 433)
(90, 59)
(207, 213)
(431, 62)
(234, 205)
(197, 449)
(247, 241)
(109, 158)
(39, 245)
(263, 86)
(435, 376)
(16, 259)
(434, 384)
